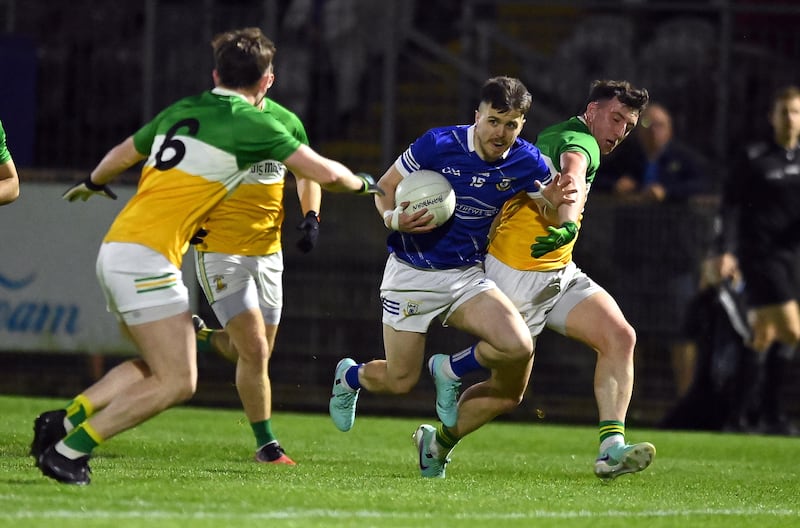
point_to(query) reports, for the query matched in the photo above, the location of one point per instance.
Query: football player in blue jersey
(550, 290)
(437, 271)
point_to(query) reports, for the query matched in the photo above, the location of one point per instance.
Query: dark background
(80, 76)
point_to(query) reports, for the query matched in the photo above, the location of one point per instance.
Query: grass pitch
(193, 467)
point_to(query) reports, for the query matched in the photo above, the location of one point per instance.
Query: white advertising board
(50, 300)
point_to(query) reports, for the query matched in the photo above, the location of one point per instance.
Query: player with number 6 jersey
(196, 153)
(198, 150)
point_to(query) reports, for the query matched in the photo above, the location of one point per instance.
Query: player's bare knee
(400, 384)
(621, 337)
(178, 387)
(520, 349)
(256, 356)
(185, 389)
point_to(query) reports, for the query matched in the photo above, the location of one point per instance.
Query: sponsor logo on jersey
(472, 208)
(451, 170)
(266, 172)
(219, 283)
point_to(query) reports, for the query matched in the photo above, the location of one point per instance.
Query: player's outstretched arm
(118, 159)
(330, 174)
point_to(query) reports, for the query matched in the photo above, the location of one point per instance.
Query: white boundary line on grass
(366, 514)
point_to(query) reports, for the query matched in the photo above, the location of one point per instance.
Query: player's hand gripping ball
(427, 189)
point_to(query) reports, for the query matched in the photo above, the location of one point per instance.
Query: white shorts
(543, 297)
(413, 297)
(140, 285)
(235, 283)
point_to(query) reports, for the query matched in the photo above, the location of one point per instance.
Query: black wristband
(91, 185)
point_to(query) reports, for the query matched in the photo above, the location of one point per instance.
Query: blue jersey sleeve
(420, 154)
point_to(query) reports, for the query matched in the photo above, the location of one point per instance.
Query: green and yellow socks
(446, 438)
(78, 410)
(81, 437)
(204, 340)
(79, 442)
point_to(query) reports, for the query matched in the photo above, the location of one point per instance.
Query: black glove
(198, 237)
(370, 187)
(557, 237)
(86, 188)
(310, 228)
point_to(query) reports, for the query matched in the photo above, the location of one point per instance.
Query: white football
(427, 189)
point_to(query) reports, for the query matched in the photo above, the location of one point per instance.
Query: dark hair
(605, 90)
(242, 56)
(506, 93)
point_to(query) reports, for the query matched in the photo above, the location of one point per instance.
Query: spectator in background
(352, 31)
(9, 179)
(298, 36)
(760, 236)
(655, 167)
(658, 168)
(343, 37)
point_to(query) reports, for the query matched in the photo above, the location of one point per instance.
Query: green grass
(192, 467)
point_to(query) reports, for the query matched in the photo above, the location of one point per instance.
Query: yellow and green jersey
(198, 149)
(520, 222)
(5, 155)
(249, 221)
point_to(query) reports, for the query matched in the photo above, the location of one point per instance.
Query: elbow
(10, 196)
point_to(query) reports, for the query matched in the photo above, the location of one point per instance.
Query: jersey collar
(471, 142)
(225, 91)
(471, 138)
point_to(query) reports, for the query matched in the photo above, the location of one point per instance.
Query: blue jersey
(481, 189)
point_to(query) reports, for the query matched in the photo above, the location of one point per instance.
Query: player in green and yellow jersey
(9, 179)
(195, 153)
(550, 290)
(239, 264)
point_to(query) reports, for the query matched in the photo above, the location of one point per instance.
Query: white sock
(611, 441)
(68, 425)
(68, 452)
